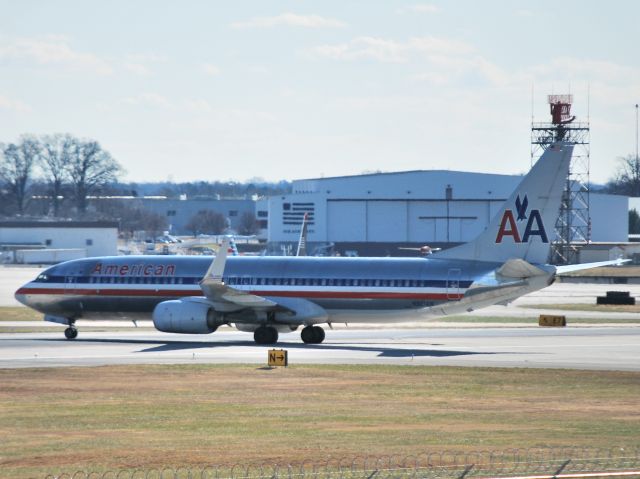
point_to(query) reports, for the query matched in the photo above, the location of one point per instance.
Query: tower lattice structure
(573, 226)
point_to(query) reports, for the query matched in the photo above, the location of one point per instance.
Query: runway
(597, 348)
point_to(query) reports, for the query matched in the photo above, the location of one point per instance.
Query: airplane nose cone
(21, 296)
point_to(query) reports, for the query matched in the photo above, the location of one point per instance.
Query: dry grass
(602, 308)
(610, 271)
(19, 313)
(129, 416)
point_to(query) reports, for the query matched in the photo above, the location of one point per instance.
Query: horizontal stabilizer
(570, 268)
(519, 268)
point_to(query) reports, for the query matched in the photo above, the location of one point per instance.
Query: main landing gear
(312, 335)
(269, 335)
(265, 335)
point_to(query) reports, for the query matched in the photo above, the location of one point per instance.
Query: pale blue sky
(293, 89)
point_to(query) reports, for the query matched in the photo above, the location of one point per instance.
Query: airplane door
(69, 283)
(453, 283)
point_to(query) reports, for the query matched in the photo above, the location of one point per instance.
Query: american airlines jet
(271, 295)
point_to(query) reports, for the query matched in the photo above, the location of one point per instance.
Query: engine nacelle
(186, 316)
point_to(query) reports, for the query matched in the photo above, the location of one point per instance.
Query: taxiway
(600, 348)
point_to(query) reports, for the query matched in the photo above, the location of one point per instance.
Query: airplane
(422, 250)
(272, 295)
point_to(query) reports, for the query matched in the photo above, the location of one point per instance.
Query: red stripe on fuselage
(278, 293)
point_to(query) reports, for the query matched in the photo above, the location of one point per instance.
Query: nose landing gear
(71, 332)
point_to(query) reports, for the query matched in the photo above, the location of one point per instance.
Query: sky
(219, 90)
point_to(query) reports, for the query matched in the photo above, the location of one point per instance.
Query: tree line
(57, 175)
(56, 168)
(626, 182)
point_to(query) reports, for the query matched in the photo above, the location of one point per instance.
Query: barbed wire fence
(533, 463)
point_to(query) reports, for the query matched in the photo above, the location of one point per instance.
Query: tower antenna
(573, 227)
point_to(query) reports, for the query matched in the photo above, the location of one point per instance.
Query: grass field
(54, 420)
(19, 313)
(603, 308)
(611, 271)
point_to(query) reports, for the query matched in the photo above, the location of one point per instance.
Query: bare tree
(153, 223)
(16, 168)
(194, 224)
(627, 178)
(634, 222)
(248, 224)
(207, 222)
(90, 167)
(56, 160)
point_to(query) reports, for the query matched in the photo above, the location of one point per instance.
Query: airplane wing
(570, 268)
(227, 299)
(224, 296)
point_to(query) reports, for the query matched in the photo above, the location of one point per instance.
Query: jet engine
(186, 316)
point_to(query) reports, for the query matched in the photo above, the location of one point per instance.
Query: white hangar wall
(95, 238)
(609, 218)
(406, 220)
(421, 207)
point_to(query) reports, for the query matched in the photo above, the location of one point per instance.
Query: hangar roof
(58, 224)
(412, 184)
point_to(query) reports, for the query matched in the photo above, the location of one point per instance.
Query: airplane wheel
(71, 333)
(265, 335)
(307, 335)
(318, 333)
(312, 335)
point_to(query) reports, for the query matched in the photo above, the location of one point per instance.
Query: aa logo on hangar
(509, 224)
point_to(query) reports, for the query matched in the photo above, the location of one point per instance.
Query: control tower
(574, 223)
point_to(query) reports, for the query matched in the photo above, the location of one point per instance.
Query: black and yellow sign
(552, 320)
(278, 357)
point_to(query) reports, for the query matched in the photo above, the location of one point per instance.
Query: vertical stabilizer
(524, 226)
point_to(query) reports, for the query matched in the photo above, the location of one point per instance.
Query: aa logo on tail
(509, 224)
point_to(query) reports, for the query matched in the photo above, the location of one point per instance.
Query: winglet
(216, 270)
(302, 242)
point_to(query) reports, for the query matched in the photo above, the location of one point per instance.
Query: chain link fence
(531, 463)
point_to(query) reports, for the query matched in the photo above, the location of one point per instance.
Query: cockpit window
(42, 278)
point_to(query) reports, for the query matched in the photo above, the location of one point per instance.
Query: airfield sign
(278, 357)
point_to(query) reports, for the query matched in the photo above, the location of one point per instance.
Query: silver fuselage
(129, 287)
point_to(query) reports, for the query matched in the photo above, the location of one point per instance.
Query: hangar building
(376, 214)
(44, 242)
(179, 212)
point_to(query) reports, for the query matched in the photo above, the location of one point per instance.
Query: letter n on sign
(278, 357)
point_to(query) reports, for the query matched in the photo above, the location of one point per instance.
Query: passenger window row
(251, 281)
(357, 282)
(142, 280)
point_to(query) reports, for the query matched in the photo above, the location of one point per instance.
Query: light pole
(636, 133)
